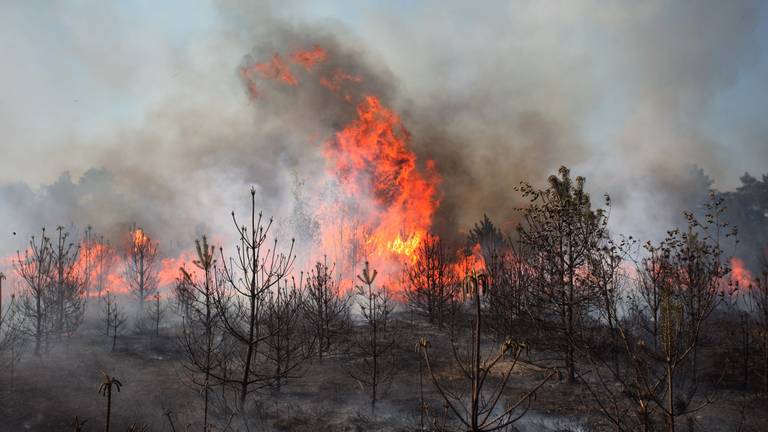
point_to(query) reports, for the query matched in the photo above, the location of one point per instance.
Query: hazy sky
(619, 90)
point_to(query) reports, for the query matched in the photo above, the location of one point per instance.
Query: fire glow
(386, 200)
(740, 274)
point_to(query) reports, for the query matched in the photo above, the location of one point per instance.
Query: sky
(623, 91)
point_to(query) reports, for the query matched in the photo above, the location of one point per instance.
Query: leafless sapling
(103, 259)
(200, 338)
(119, 319)
(141, 265)
(68, 283)
(373, 363)
(184, 297)
(658, 378)
(105, 389)
(561, 230)
(287, 346)
(431, 285)
(107, 311)
(10, 331)
(511, 281)
(35, 268)
(87, 246)
(326, 308)
(153, 316)
(481, 409)
(249, 276)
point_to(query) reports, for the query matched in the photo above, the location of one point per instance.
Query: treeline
(652, 331)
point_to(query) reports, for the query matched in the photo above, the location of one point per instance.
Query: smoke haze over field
(143, 106)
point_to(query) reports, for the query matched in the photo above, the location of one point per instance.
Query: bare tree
(10, 330)
(607, 276)
(739, 321)
(760, 297)
(511, 279)
(659, 377)
(479, 411)
(687, 299)
(107, 311)
(87, 247)
(35, 268)
(430, 282)
(153, 316)
(158, 313)
(286, 348)
(372, 362)
(200, 339)
(119, 319)
(184, 297)
(700, 270)
(562, 231)
(325, 308)
(632, 407)
(103, 260)
(256, 268)
(68, 284)
(141, 265)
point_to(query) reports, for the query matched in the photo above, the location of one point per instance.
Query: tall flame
(374, 166)
(386, 200)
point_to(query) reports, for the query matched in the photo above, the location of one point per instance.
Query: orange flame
(140, 239)
(386, 200)
(740, 274)
(335, 83)
(169, 267)
(87, 266)
(391, 199)
(309, 58)
(276, 70)
(469, 261)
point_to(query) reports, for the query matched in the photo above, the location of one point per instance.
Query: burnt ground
(45, 394)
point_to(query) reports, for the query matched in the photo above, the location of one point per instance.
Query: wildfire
(336, 82)
(140, 239)
(169, 267)
(391, 199)
(102, 266)
(739, 273)
(276, 70)
(386, 200)
(308, 59)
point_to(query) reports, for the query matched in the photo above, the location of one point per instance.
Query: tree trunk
(39, 325)
(670, 398)
(209, 347)
(249, 354)
(109, 407)
(476, 364)
(141, 281)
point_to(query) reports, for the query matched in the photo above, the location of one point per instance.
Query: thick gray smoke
(620, 92)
